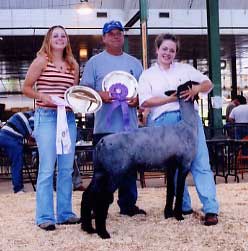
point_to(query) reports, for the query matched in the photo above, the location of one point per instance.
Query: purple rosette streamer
(119, 92)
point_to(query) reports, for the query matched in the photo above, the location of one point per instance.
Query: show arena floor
(6, 185)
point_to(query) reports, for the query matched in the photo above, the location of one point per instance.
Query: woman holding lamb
(167, 75)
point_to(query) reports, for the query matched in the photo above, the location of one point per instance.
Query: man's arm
(231, 118)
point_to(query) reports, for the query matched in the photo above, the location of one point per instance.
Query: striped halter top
(53, 82)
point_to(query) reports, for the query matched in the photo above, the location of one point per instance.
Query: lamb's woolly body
(160, 147)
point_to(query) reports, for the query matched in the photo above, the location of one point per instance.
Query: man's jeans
(127, 192)
(13, 147)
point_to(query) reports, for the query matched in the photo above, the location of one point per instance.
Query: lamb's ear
(183, 87)
(168, 93)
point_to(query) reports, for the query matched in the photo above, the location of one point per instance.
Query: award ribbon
(119, 92)
(63, 139)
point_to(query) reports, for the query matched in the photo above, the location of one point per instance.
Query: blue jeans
(127, 192)
(13, 147)
(200, 167)
(45, 123)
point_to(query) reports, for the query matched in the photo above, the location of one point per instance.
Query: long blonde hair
(46, 49)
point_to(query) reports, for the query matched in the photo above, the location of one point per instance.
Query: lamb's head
(187, 108)
(183, 87)
(186, 86)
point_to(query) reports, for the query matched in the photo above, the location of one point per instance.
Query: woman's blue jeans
(45, 134)
(200, 167)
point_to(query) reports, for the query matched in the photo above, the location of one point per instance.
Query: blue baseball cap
(109, 26)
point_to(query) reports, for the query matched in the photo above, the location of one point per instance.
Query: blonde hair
(46, 49)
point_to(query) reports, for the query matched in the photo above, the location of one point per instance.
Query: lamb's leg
(168, 210)
(101, 212)
(86, 209)
(179, 194)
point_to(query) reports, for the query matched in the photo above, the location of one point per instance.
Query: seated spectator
(238, 100)
(239, 114)
(12, 134)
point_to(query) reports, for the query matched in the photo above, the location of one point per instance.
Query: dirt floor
(150, 233)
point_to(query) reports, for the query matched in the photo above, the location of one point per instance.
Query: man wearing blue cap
(114, 59)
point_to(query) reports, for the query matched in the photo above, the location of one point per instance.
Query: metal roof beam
(133, 20)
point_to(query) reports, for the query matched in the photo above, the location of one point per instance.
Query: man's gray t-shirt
(95, 70)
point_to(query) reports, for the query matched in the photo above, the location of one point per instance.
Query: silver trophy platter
(121, 77)
(83, 99)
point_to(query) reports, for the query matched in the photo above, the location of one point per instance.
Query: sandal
(211, 219)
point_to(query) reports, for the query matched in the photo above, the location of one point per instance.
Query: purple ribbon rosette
(119, 92)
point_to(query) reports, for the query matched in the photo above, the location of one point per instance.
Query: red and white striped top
(54, 82)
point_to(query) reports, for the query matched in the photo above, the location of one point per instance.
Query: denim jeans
(13, 147)
(200, 167)
(127, 192)
(45, 123)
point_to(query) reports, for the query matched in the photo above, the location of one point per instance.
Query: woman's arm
(157, 101)
(34, 72)
(76, 73)
(204, 86)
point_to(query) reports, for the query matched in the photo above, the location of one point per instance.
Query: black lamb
(164, 147)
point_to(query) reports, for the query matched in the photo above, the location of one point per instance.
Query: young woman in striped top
(51, 73)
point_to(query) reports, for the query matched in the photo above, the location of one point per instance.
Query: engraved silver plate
(83, 99)
(121, 77)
